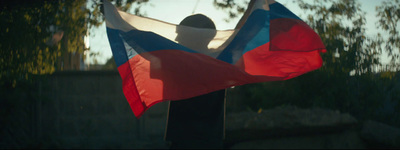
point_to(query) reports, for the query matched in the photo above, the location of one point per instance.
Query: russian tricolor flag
(159, 61)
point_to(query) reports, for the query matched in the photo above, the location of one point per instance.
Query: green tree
(27, 48)
(26, 29)
(234, 8)
(389, 17)
(341, 26)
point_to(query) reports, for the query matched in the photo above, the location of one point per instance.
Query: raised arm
(245, 15)
(249, 10)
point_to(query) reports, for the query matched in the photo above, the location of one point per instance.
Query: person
(199, 122)
(196, 122)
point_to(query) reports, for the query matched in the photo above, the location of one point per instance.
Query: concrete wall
(85, 110)
(88, 110)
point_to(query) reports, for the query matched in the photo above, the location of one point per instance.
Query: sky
(173, 11)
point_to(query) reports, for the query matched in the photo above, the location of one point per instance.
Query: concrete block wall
(78, 109)
(89, 110)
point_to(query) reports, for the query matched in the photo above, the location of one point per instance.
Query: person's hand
(248, 11)
(245, 15)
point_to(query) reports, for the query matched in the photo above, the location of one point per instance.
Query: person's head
(196, 21)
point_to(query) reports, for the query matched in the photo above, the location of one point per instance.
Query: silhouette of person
(196, 122)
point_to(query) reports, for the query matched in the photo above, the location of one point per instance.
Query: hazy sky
(173, 11)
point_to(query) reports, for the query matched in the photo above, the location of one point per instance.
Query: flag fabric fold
(159, 61)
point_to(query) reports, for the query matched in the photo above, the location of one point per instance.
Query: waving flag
(159, 61)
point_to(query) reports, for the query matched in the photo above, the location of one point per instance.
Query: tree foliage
(234, 8)
(29, 25)
(341, 26)
(389, 18)
(347, 81)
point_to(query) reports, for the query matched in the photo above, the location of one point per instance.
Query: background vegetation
(352, 78)
(27, 47)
